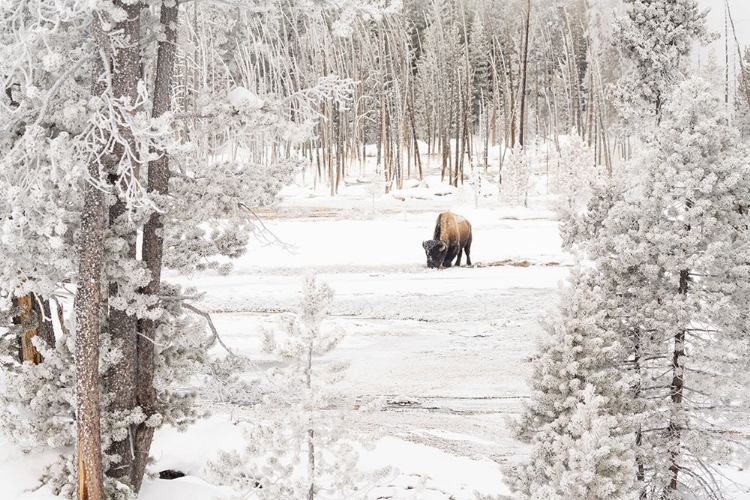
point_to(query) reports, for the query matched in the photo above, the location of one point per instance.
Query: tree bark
(522, 111)
(87, 306)
(676, 389)
(87, 303)
(35, 319)
(153, 243)
(120, 380)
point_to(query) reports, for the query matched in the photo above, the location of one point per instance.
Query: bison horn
(442, 246)
(424, 244)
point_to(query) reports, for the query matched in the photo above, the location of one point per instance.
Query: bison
(452, 235)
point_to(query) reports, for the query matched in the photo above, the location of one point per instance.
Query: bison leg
(467, 249)
(448, 261)
(458, 260)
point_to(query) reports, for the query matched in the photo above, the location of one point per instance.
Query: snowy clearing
(447, 351)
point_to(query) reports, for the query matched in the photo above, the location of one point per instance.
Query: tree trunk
(120, 380)
(413, 121)
(522, 110)
(87, 302)
(676, 390)
(310, 431)
(459, 99)
(35, 319)
(25, 319)
(87, 307)
(640, 472)
(153, 243)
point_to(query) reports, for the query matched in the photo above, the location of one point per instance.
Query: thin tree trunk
(744, 80)
(590, 103)
(640, 473)
(522, 111)
(153, 243)
(511, 117)
(459, 102)
(417, 158)
(310, 432)
(676, 390)
(339, 147)
(726, 54)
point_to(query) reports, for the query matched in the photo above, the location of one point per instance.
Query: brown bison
(452, 235)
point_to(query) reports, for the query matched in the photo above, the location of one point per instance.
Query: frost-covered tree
(304, 445)
(582, 443)
(516, 177)
(572, 177)
(693, 244)
(657, 37)
(669, 250)
(106, 176)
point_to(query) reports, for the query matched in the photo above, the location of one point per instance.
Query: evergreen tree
(516, 177)
(657, 37)
(669, 245)
(304, 446)
(582, 444)
(572, 177)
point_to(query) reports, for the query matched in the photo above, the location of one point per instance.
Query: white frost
(240, 97)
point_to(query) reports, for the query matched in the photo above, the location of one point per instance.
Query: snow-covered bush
(516, 177)
(571, 178)
(37, 401)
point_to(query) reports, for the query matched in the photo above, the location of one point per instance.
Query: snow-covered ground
(446, 350)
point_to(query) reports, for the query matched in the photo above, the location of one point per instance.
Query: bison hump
(459, 219)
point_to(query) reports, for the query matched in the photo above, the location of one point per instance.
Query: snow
(19, 472)
(240, 97)
(447, 350)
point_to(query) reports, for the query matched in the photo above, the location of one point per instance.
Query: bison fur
(452, 236)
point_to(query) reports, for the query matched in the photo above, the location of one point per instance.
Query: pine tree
(657, 37)
(578, 398)
(695, 254)
(304, 425)
(669, 246)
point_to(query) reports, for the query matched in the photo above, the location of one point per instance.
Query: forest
(170, 168)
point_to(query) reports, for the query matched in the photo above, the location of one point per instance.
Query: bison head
(436, 251)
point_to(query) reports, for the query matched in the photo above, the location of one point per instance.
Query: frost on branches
(657, 37)
(582, 445)
(668, 285)
(572, 177)
(691, 246)
(303, 444)
(60, 116)
(516, 177)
